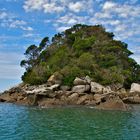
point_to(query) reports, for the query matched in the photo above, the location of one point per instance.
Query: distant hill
(79, 51)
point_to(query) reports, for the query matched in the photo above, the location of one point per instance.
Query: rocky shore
(83, 92)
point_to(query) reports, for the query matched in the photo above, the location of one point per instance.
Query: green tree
(79, 51)
(31, 57)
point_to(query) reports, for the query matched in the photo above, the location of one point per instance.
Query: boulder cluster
(83, 92)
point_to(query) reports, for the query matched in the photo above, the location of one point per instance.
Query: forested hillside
(79, 51)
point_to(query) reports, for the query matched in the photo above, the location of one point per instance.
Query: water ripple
(30, 123)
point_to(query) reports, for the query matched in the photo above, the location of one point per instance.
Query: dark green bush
(79, 51)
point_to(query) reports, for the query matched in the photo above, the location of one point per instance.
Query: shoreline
(84, 92)
(131, 107)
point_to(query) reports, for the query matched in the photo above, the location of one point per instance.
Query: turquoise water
(30, 123)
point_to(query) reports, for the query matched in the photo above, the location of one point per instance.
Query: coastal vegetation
(79, 51)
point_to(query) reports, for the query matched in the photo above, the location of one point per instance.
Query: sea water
(67, 123)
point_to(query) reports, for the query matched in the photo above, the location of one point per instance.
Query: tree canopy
(79, 51)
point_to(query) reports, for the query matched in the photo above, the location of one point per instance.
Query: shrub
(70, 73)
(79, 51)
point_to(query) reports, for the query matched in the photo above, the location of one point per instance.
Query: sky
(26, 22)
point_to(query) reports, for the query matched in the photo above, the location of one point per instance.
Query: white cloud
(67, 19)
(108, 5)
(71, 19)
(62, 28)
(10, 68)
(9, 20)
(17, 23)
(3, 15)
(120, 28)
(112, 15)
(52, 7)
(76, 7)
(10, 72)
(45, 5)
(28, 28)
(122, 18)
(11, 0)
(114, 22)
(28, 35)
(30, 5)
(137, 58)
(135, 49)
(131, 1)
(122, 10)
(102, 15)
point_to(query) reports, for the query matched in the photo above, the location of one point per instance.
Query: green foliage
(37, 75)
(69, 73)
(85, 61)
(59, 59)
(44, 43)
(33, 54)
(107, 60)
(83, 45)
(79, 51)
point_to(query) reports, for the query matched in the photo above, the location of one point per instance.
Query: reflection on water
(29, 123)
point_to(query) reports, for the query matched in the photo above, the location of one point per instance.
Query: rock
(53, 87)
(122, 95)
(79, 81)
(2, 100)
(35, 89)
(82, 100)
(116, 87)
(114, 103)
(132, 100)
(45, 93)
(7, 98)
(42, 90)
(65, 88)
(51, 95)
(96, 88)
(20, 98)
(73, 95)
(82, 93)
(107, 90)
(52, 79)
(88, 79)
(65, 100)
(56, 78)
(49, 102)
(90, 103)
(58, 94)
(81, 88)
(73, 98)
(122, 91)
(32, 99)
(22, 102)
(135, 88)
(68, 93)
(99, 98)
(25, 98)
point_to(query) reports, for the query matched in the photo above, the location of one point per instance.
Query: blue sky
(26, 22)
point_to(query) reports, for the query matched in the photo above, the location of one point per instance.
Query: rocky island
(84, 92)
(83, 65)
